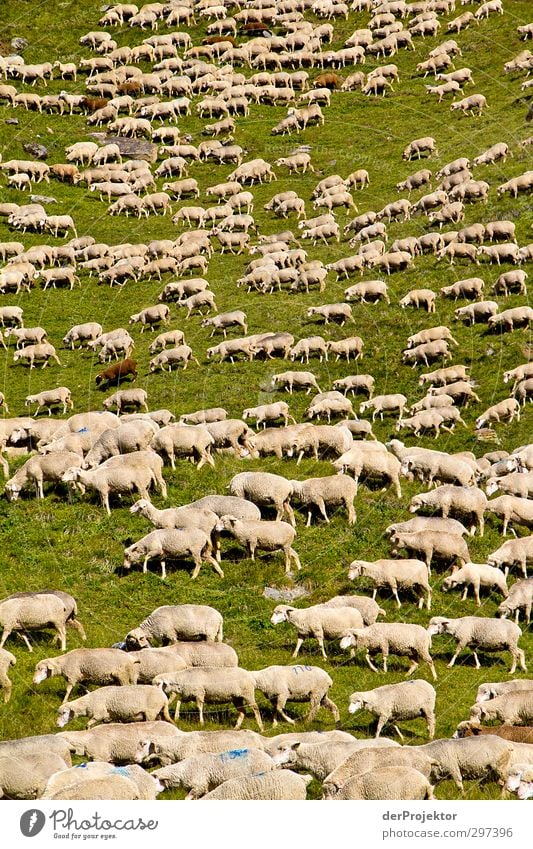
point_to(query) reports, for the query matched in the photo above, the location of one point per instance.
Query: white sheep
(134, 472)
(33, 612)
(37, 470)
(202, 773)
(130, 703)
(371, 758)
(478, 758)
(170, 623)
(281, 684)
(520, 597)
(452, 500)
(334, 491)
(320, 622)
(24, 775)
(476, 575)
(88, 666)
(481, 633)
(263, 536)
(389, 782)
(394, 702)
(400, 638)
(264, 489)
(395, 574)
(272, 785)
(172, 543)
(323, 756)
(118, 742)
(212, 686)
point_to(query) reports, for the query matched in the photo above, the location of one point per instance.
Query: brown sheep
(328, 80)
(514, 733)
(117, 372)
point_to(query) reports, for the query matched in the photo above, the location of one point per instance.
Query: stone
(19, 44)
(287, 594)
(42, 199)
(13, 121)
(39, 151)
(136, 148)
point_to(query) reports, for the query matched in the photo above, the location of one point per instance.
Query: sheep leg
(412, 668)
(371, 665)
(320, 640)
(214, 564)
(395, 594)
(177, 710)
(163, 570)
(280, 703)
(5, 635)
(68, 691)
(299, 642)
(476, 659)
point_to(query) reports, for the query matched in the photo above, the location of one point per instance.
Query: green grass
(77, 548)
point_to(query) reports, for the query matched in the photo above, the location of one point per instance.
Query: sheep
(419, 298)
(124, 439)
(456, 501)
(51, 398)
(335, 490)
(117, 372)
(332, 406)
(171, 623)
(430, 544)
(394, 782)
(212, 686)
(275, 784)
(426, 353)
(31, 353)
(393, 702)
(135, 398)
(89, 666)
(512, 708)
(11, 315)
(24, 776)
(370, 759)
(400, 638)
(151, 316)
(472, 758)
(489, 690)
(268, 412)
(520, 596)
(172, 543)
(380, 404)
(512, 509)
(514, 552)
(35, 611)
(129, 703)
(225, 320)
(511, 281)
(430, 523)
(508, 409)
(332, 312)
(356, 383)
(82, 333)
(468, 104)
(202, 773)
(264, 489)
(481, 633)
(99, 778)
(419, 146)
(37, 470)
(395, 574)
(181, 355)
(515, 734)
(281, 684)
(134, 472)
(318, 622)
(516, 483)
(263, 536)
(372, 462)
(476, 575)
(6, 660)
(318, 758)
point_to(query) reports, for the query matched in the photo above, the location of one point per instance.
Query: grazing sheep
(323, 756)
(514, 708)
(395, 574)
(393, 702)
(335, 490)
(474, 758)
(391, 782)
(263, 536)
(31, 353)
(520, 596)
(171, 623)
(212, 686)
(513, 733)
(367, 607)
(175, 544)
(319, 622)
(281, 684)
(476, 575)
(24, 775)
(370, 759)
(447, 500)
(295, 379)
(489, 690)
(432, 544)
(510, 508)
(135, 398)
(125, 473)
(37, 470)
(400, 638)
(513, 552)
(481, 633)
(88, 666)
(202, 773)
(130, 703)
(272, 785)
(264, 489)
(34, 612)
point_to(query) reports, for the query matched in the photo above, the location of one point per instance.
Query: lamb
(35, 611)
(172, 543)
(171, 623)
(380, 404)
(31, 353)
(134, 472)
(400, 638)
(370, 759)
(319, 622)
(272, 785)
(472, 758)
(202, 773)
(514, 708)
(263, 536)
(335, 490)
(268, 412)
(212, 686)
(129, 703)
(395, 574)
(476, 575)
(51, 398)
(6, 660)
(452, 500)
(37, 470)
(123, 398)
(281, 684)
(481, 633)
(88, 666)
(264, 489)
(430, 544)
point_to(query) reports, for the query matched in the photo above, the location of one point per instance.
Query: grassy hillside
(76, 547)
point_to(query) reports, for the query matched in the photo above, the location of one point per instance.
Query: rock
(42, 199)
(287, 595)
(13, 121)
(39, 151)
(136, 148)
(19, 44)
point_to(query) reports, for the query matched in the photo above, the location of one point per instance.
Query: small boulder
(39, 151)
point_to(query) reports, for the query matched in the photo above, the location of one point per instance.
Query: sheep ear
(296, 745)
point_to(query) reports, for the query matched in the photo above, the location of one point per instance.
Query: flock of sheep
(178, 654)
